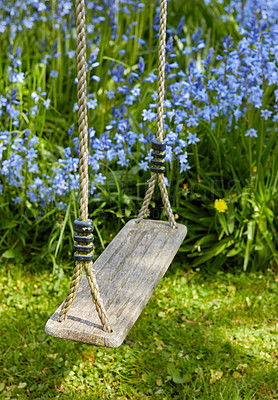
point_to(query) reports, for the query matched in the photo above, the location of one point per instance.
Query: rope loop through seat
(83, 227)
(157, 163)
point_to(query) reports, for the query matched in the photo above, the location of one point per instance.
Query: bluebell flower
(46, 103)
(16, 77)
(151, 78)
(70, 130)
(141, 65)
(95, 78)
(17, 200)
(143, 165)
(91, 133)
(34, 110)
(92, 103)
(53, 74)
(237, 114)
(192, 138)
(136, 91)
(123, 161)
(140, 41)
(100, 178)
(266, 114)
(2, 148)
(148, 115)
(192, 121)
(251, 133)
(110, 94)
(71, 53)
(196, 35)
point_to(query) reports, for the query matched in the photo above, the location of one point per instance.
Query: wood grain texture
(127, 273)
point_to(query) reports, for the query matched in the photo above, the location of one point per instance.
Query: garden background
(210, 331)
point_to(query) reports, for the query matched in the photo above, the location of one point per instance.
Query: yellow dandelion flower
(220, 205)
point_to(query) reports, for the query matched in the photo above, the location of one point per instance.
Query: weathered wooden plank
(127, 272)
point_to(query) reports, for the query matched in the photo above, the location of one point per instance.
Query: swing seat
(127, 273)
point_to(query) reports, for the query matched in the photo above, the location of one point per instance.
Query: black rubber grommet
(160, 146)
(158, 170)
(158, 163)
(83, 239)
(83, 226)
(85, 249)
(83, 257)
(158, 155)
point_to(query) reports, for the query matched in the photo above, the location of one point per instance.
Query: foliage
(220, 123)
(204, 335)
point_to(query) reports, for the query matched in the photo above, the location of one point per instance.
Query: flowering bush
(220, 119)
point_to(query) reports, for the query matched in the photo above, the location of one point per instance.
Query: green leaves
(176, 374)
(9, 254)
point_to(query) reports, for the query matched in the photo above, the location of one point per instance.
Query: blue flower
(54, 74)
(17, 200)
(237, 114)
(95, 78)
(71, 53)
(35, 97)
(266, 114)
(192, 138)
(2, 148)
(92, 103)
(110, 94)
(148, 115)
(251, 133)
(46, 103)
(141, 65)
(151, 78)
(100, 178)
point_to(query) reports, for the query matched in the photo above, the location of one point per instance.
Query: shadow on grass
(196, 339)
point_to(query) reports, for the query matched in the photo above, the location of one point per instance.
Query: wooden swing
(133, 264)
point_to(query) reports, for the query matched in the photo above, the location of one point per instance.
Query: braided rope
(83, 171)
(77, 275)
(96, 296)
(82, 113)
(148, 197)
(166, 201)
(159, 123)
(161, 69)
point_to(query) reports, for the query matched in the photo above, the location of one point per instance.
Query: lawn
(203, 335)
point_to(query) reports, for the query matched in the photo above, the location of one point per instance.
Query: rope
(159, 123)
(83, 171)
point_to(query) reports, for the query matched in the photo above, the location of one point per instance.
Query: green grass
(202, 336)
